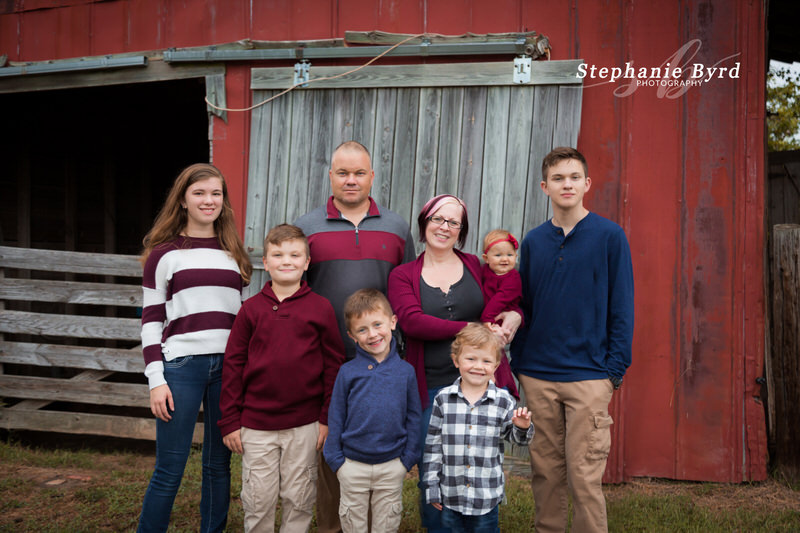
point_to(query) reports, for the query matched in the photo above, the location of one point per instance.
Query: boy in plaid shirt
(464, 446)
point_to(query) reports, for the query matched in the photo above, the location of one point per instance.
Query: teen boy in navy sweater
(277, 378)
(373, 419)
(577, 296)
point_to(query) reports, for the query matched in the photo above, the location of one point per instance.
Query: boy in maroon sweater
(283, 354)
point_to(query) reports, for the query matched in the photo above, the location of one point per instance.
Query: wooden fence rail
(62, 333)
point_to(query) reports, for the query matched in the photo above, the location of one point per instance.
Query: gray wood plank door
(482, 140)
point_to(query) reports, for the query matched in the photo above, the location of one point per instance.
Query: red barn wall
(684, 176)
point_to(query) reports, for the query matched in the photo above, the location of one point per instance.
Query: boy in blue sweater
(577, 297)
(373, 419)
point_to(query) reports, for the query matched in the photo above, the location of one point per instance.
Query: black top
(463, 302)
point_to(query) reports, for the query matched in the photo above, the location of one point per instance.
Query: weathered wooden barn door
(464, 129)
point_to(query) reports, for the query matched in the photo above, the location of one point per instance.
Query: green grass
(111, 499)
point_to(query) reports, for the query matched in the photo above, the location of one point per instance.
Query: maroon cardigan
(418, 327)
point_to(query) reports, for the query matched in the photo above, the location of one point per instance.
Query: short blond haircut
(365, 301)
(476, 335)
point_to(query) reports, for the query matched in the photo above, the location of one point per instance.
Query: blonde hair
(498, 235)
(476, 335)
(172, 218)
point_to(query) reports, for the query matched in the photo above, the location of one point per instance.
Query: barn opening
(86, 170)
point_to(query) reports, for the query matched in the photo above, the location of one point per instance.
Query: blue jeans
(462, 523)
(431, 517)
(192, 379)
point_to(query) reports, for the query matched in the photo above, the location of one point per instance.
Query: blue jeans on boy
(192, 380)
(430, 516)
(463, 523)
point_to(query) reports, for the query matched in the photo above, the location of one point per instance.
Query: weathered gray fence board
(93, 327)
(427, 75)
(404, 157)
(258, 173)
(343, 116)
(29, 353)
(568, 119)
(85, 424)
(302, 123)
(545, 105)
(76, 262)
(517, 173)
(383, 144)
(449, 141)
(319, 188)
(426, 149)
(258, 182)
(67, 390)
(471, 160)
(86, 375)
(72, 292)
(280, 150)
(494, 160)
(364, 101)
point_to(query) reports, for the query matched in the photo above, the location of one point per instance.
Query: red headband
(510, 239)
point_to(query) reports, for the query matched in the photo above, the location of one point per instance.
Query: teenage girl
(194, 268)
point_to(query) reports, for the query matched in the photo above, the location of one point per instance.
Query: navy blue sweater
(577, 297)
(374, 414)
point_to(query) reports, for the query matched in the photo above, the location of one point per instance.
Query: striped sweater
(192, 292)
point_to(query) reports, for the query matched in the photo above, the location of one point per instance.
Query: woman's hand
(510, 323)
(161, 402)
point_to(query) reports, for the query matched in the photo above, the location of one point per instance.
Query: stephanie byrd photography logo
(676, 75)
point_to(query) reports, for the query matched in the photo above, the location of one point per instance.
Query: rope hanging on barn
(316, 79)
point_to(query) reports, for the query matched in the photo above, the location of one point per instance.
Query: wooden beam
(382, 37)
(564, 72)
(59, 355)
(156, 70)
(85, 424)
(87, 375)
(67, 390)
(72, 292)
(77, 262)
(91, 327)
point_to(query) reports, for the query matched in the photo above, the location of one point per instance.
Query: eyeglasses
(452, 224)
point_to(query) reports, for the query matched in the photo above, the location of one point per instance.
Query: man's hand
(161, 402)
(510, 323)
(323, 435)
(233, 441)
(521, 418)
(437, 505)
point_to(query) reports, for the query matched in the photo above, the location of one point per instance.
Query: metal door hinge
(301, 70)
(522, 69)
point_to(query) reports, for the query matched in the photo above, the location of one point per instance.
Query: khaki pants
(569, 451)
(281, 462)
(385, 481)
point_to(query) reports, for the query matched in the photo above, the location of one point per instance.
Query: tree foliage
(783, 110)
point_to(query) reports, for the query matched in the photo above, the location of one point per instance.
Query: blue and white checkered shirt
(464, 449)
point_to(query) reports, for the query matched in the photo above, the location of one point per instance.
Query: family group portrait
(345, 266)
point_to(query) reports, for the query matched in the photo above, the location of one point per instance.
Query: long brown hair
(172, 218)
